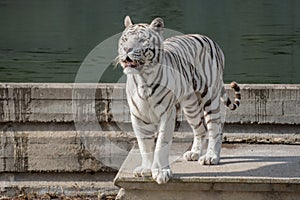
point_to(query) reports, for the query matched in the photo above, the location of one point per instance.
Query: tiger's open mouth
(128, 62)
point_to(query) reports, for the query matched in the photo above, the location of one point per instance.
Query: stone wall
(52, 102)
(53, 127)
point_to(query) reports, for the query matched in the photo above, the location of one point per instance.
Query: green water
(46, 41)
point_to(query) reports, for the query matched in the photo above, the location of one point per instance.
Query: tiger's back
(198, 59)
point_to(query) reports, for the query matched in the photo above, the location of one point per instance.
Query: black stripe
(211, 49)
(228, 102)
(136, 84)
(235, 87)
(205, 91)
(208, 103)
(186, 44)
(180, 57)
(198, 40)
(215, 111)
(234, 107)
(169, 105)
(200, 123)
(194, 83)
(163, 88)
(192, 96)
(179, 64)
(203, 63)
(193, 114)
(158, 77)
(208, 113)
(218, 53)
(159, 102)
(154, 88)
(213, 120)
(134, 104)
(140, 119)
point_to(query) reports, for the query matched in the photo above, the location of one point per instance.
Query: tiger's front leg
(145, 137)
(161, 171)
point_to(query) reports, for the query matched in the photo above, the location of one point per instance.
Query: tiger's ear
(158, 25)
(127, 21)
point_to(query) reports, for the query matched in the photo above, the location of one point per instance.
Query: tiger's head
(140, 46)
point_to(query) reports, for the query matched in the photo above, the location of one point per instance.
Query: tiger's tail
(237, 97)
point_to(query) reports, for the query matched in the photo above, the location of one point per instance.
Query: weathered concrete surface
(270, 104)
(57, 150)
(75, 128)
(50, 127)
(261, 172)
(29, 185)
(63, 151)
(53, 102)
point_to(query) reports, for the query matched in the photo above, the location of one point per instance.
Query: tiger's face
(140, 46)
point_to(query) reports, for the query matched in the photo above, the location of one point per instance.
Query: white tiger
(185, 70)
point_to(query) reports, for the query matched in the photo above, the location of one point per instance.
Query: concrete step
(57, 185)
(260, 172)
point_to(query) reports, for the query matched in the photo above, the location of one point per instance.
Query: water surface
(46, 41)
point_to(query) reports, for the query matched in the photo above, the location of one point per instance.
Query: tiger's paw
(191, 156)
(142, 172)
(161, 176)
(209, 159)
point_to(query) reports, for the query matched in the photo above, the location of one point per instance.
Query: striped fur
(185, 70)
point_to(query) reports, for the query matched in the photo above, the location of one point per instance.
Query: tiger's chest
(142, 104)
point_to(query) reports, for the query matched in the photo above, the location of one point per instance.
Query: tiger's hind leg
(199, 144)
(213, 120)
(194, 115)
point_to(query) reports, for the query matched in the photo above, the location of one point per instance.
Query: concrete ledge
(55, 185)
(245, 172)
(53, 102)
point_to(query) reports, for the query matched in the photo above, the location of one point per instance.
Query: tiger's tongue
(130, 64)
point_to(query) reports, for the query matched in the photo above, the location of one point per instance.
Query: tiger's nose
(127, 50)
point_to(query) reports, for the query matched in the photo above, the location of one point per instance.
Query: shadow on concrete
(253, 166)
